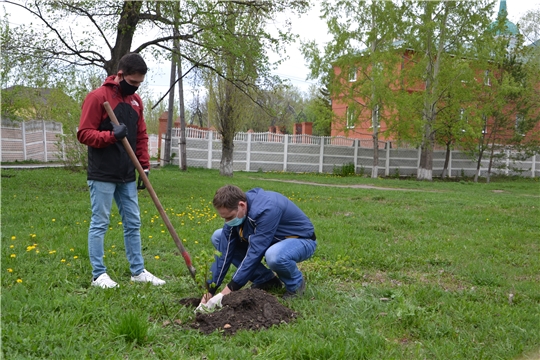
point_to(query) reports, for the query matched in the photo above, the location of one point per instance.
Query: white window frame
(519, 119)
(487, 80)
(353, 74)
(350, 118)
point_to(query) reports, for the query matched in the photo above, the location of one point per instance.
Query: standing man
(259, 224)
(111, 173)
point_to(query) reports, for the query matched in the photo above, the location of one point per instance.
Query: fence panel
(303, 153)
(31, 140)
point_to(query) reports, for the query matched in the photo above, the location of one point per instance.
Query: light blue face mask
(236, 221)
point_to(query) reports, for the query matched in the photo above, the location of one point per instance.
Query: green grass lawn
(433, 270)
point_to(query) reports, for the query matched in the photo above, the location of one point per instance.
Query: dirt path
(354, 186)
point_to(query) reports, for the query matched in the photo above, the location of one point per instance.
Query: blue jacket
(271, 217)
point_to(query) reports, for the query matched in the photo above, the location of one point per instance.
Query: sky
(309, 27)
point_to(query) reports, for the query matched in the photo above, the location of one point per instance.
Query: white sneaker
(146, 276)
(104, 281)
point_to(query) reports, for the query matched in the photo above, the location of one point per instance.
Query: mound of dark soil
(248, 309)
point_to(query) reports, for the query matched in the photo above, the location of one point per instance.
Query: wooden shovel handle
(153, 195)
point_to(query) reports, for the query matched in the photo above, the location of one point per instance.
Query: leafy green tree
(359, 62)
(239, 63)
(318, 110)
(510, 104)
(529, 25)
(440, 33)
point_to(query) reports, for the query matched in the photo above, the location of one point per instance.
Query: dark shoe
(298, 292)
(272, 284)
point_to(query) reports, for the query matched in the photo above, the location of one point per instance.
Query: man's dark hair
(132, 63)
(228, 197)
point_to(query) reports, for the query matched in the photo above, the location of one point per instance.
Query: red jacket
(107, 158)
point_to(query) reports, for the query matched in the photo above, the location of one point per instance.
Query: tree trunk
(228, 125)
(492, 153)
(425, 169)
(129, 18)
(446, 159)
(375, 168)
(375, 109)
(183, 155)
(228, 121)
(170, 116)
(481, 149)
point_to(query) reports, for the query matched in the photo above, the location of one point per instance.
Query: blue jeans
(125, 196)
(281, 257)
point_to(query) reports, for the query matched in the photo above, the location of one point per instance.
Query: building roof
(509, 27)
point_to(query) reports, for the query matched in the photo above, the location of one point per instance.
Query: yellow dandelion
(11, 246)
(156, 257)
(19, 281)
(13, 237)
(75, 257)
(63, 260)
(53, 220)
(119, 223)
(13, 255)
(162, 231)
(149, 236)
(33, 236)
(10, 270)
(37, 251)
(52, 251)
(72, 249)
(113, 246)
(184, 240)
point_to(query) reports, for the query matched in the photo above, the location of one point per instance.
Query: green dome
(509, 27)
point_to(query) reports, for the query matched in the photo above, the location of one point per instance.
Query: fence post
(248, 151)
(210, 137)
(24, 139)
(387, 163)
(450, 165)
(356, 141)
(321, 155)
(533, 167)
(506, 171)
(63, 142)
(44, 140)
(419, 156)
(285, 152)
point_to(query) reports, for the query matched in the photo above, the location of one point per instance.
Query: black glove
(119, 131)
(140, 182)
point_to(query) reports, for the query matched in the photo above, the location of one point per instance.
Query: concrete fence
(305, 153)
(42, 141)
(31, 140)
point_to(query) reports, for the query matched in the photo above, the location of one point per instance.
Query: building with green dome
(510, 29)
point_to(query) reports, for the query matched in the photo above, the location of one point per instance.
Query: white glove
(211, 305)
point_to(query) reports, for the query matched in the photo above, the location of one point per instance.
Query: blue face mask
(236, 221)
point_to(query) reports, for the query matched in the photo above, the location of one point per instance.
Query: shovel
(153, 195)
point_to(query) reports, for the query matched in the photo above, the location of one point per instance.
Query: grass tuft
(130, 326)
